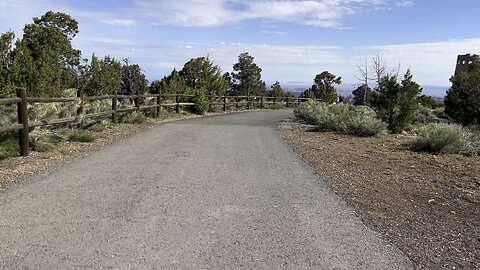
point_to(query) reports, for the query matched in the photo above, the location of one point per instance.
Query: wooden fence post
(23, 134)
(80, 108)
(159, 103)
(236, 102)
(225, 103)
(298, 101)
(114, 108)
(261, 102)
(248, 101)
(177, 101)
(137, 101)
(274, 100)
(286, 102)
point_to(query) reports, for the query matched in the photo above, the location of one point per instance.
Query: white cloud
(405, 3)
(277, 33)
(21, 12)
(102, 41)
(119, 22)
(199, 13)
(431, 63)
(278, 62)
(186, 13)
(15, 14)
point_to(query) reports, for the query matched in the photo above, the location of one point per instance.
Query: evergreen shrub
(342, 118)
(201, 102)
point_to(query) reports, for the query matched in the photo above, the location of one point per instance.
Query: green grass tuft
(9, 146)
(81, 136)
(44, 146)
(132, 118)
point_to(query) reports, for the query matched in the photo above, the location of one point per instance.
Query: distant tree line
(44, 61)
(396, 99)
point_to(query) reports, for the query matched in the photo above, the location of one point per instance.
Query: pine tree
(247, 77)
(277, 90)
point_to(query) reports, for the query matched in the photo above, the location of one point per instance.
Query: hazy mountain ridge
(346, 89)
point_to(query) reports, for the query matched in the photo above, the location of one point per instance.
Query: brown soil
(427, 205)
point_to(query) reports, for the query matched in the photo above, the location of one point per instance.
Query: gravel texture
(427, 205)
(220, 192)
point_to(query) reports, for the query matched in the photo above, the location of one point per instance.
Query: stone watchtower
(464, 61)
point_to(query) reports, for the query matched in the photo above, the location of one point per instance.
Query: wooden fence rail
(24, 125)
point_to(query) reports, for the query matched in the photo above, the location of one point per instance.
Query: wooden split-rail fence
(24, 125)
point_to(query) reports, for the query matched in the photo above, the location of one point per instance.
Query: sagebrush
(438, 138)
(447, 138)
(342, 118)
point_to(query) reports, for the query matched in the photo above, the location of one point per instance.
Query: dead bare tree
(379, 66)
(363, 79)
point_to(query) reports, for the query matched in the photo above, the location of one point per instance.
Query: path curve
(220, 192)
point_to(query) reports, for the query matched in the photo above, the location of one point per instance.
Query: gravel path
(220, 192)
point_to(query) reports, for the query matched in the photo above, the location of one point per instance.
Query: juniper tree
(201, 73)
(48, 40)
(6, 61)
(323, 87)
(362, 95)
(396, 102)
(104, 76)
(462, 101)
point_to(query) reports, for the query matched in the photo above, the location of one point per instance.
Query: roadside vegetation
(397, 106)
(43, 61)
(341, 118)
(386, 108)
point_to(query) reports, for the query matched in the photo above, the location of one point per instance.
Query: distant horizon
(438, 91)
(290, 40)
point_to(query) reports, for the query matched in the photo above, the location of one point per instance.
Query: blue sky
(290, 40)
